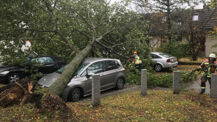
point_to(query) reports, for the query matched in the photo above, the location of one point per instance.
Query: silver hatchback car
(163, 60)
(111, 71)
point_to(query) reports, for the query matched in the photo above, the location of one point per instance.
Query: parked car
(163, 60)
(44, 64)
(111, 71)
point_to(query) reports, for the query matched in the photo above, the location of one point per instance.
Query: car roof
(156, 52)
(89, 60)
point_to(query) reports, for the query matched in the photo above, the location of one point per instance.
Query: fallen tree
(25, 91)
(116, 21)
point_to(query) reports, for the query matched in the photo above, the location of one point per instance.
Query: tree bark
(58, 86)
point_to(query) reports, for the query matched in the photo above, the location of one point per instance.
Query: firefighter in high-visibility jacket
(137, 61)
(208, 66)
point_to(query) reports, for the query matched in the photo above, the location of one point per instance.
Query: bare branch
(111, 49)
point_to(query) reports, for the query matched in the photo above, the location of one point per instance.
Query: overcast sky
(132, 6)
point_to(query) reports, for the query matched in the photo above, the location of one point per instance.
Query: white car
(163, 61)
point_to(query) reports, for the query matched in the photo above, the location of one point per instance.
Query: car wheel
(120, 83)
(76, 94)
(158, 68)
(12, 78)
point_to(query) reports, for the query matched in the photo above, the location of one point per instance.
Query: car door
(156, 58)
(95, 68)
(110, 73)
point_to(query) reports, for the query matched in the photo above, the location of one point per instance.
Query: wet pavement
(195, 86)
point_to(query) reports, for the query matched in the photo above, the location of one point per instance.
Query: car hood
(76, 81)
(48, 79)
(5, 68)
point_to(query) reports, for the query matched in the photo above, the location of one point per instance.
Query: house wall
(155, 43)
(210, 42)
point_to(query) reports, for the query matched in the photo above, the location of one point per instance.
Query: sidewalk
(195, 86)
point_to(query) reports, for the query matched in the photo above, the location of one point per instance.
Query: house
(189, 25)
(211, 39)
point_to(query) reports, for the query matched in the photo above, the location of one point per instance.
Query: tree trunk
(169, 22)
(58, 86)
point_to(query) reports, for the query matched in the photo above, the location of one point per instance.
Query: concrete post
(95, 90)
(176, 82)
(144, 81)
(213, 90)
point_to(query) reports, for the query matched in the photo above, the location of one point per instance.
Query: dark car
(43, 64)
(111, 71)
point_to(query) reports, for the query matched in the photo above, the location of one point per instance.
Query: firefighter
(208, 67)
(137, 61)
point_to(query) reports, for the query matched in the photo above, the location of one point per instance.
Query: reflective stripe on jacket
(137, 60)
(209, 68)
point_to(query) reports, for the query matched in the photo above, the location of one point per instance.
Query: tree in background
(163, 8)
(169, 17)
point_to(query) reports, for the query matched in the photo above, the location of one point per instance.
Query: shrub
(175, 48)
(159, 80)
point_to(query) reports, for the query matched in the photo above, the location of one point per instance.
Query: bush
(176, 48)
(159, 80)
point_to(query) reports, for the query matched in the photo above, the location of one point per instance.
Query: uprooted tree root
(25, 91)
(51, 104)
(17, 93)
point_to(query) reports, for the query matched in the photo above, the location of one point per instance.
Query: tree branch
(111, 49)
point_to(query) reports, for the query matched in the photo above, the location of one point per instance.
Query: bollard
(144, 81)
(176, 82)
(213, 90)
(95, 90)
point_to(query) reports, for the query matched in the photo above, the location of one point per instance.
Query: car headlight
(4, 72)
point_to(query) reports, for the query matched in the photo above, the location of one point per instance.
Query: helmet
(212, 55)
(134, 52)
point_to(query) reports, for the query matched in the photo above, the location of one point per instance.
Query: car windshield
(62, 69)
(81, 68)
(165, 55)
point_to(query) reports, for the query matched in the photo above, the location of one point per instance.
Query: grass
(158, 105)
(2, 85)
(189, 59)
(28, 113)
(186, 68)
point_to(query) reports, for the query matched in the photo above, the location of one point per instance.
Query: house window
(179, 23)
(195, 17)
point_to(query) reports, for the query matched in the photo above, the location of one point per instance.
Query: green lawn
(158, 105)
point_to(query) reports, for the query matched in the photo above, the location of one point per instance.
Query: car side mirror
(89, 75)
